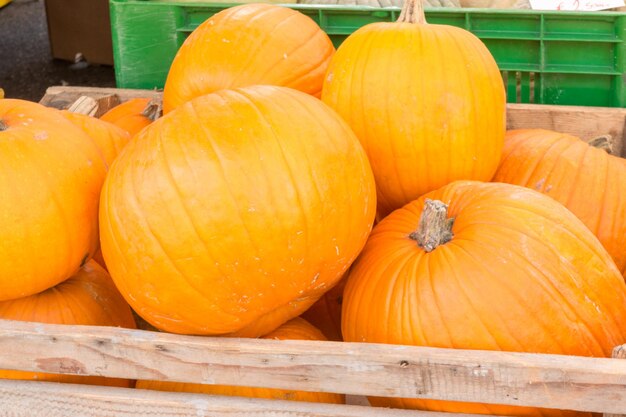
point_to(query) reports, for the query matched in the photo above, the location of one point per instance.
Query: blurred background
(27, 66)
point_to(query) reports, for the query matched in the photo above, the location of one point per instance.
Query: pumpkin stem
(435, 227)
(412, 12)
(604, 142)
(3, 126)
(153, 110)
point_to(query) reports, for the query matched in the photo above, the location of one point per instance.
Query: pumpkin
(588, 181)
(50, 185)
(295, 329)
(133, 115)
(87, 298)
(236, 212)
(486, 266)
(247, 45)
(426, 101)
(109, 138)
(97, 257)
(325, 314)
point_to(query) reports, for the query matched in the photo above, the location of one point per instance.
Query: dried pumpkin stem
(604, 142)
(435, 228)
(3, 126)
(412, 12)
(153, 110)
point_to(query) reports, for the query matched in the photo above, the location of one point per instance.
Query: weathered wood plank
(618, 353)
(584, 122)
(552, 381)
(46, 399)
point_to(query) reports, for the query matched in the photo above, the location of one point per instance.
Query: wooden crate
(359, 369)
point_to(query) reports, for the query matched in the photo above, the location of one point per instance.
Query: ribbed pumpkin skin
(521, 274)
(586, 180)
(236, 212)
(248, 45)
(50, 184)
(109, 138)
(427, 103)
(87, 298)
(295, 329)
(325, 314)
(128, 115)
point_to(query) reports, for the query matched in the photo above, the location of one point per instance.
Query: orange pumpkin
(100, 259)
(247, 45)
(109, 138)
(133, 115)
(50, 186)
(236, 212)
(501, 267)
(426, 101)
(87, 298)
(325, 314)
(295, 329)
(588, 181)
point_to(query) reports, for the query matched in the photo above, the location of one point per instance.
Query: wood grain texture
(551, 381)
(47, 399)
(585, 122)
(618, 353)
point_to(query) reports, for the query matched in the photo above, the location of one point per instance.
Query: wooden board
(551, 381)
(46, 399)
(584, 122)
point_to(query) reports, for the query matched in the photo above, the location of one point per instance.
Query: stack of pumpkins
(251, 202)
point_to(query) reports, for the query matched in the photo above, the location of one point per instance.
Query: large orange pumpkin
(426, 101)
(236, 212)
(501, 268)
(109, 138)
(295, 329)
(133, 115)
(50, 184)
(247, 45)
(87, 298)
(588, 181)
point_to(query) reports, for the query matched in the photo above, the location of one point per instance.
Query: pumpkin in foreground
(133, 115)
(295, 329)
(236, 212)
(110, 139)
(501, 267)
(52, 173)
(247, 45)
(87, 298)
(426, 101)
(585, 179)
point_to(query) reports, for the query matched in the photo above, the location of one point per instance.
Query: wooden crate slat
(585, 122)
(618, 353)
(49, 399)
(551, 381)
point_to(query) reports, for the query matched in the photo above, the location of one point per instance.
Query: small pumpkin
(50, 185)
(133, 115)
(325, 314)
(295, 329)
(247, 45)
(252, 203)
(486, 266)
(87, 298)
(587, 180)
(426, 101)
(109, 138)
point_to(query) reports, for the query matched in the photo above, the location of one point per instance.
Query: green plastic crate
(567, 58)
